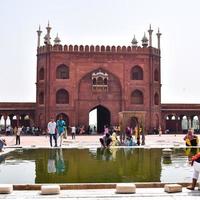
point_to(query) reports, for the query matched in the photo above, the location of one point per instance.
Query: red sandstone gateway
(121, 82)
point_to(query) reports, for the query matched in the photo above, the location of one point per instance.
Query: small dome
(57, 40)
(134, 42)
(145, 41)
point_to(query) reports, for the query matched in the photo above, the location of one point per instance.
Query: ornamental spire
(150, 35)
(39, 34)
(47, 38)
(158, 36)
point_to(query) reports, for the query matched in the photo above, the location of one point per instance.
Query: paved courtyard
(93, 141)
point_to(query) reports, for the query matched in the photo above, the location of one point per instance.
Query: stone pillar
(18, 117)
(189, 122)
(5, 118)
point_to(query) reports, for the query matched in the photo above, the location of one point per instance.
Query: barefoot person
(51, 128)
(60, 124)
(195, 162)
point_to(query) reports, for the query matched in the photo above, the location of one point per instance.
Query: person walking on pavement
(60, 124)
(51, 128)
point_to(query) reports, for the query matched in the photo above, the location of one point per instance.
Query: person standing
(73, 132)
(195, 162)
(2, 144)
(60, 124)
(51, 127)
(18, 133)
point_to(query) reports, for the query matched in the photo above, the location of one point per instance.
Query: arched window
(137, 97)
(41, 98)
(137, 73)
(41, 74)
(156, 75)
(62, 72)
(156, 99)
(99, 81)
(62, 97)
(94, 81)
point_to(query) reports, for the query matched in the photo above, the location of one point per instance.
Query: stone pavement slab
(107, 194)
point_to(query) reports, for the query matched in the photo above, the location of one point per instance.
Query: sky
(102, 22)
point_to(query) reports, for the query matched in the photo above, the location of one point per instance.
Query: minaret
(144, 41)
(39, 34)
(150, 36)
(134, 42)
(158, 35)
(47, 38)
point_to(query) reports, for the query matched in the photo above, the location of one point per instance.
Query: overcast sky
(112, 22)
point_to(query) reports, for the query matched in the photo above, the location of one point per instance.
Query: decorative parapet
(98, 49)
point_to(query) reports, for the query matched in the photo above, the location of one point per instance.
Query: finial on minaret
(150, 35)
(57, 40)
(134, 42)
(47, 38)
(144, 41)
(158, 35)
(39, 34)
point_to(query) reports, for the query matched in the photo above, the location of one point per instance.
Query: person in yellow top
(191, 139)
(115, 141)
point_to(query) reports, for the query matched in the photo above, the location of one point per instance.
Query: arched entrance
(100, 118)
(64, 117)
(133, 122)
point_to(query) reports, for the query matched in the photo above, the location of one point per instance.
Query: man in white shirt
(73, 132)
(51, 127)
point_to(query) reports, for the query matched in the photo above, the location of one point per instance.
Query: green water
(93, 166)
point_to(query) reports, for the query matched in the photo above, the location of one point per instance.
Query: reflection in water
(99, 165)
(56, 163)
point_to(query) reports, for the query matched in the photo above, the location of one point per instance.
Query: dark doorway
(64, 117)
(134, 122)
(102, 118)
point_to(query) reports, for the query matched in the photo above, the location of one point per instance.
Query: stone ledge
(80, 186)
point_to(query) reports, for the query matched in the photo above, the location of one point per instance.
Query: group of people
(191, 140)
(128, 138)
(55, 130)
(58, 130)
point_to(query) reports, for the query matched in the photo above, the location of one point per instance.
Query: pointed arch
(62, 72)
(64, 117)
(62, 97)
(137, 73)
(41, 98)
(137, 97)
(156, 75)
(41, 74)
(156, 99)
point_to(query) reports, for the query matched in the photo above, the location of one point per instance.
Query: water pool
(28, 166)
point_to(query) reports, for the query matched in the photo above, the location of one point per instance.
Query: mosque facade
(122, 83)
